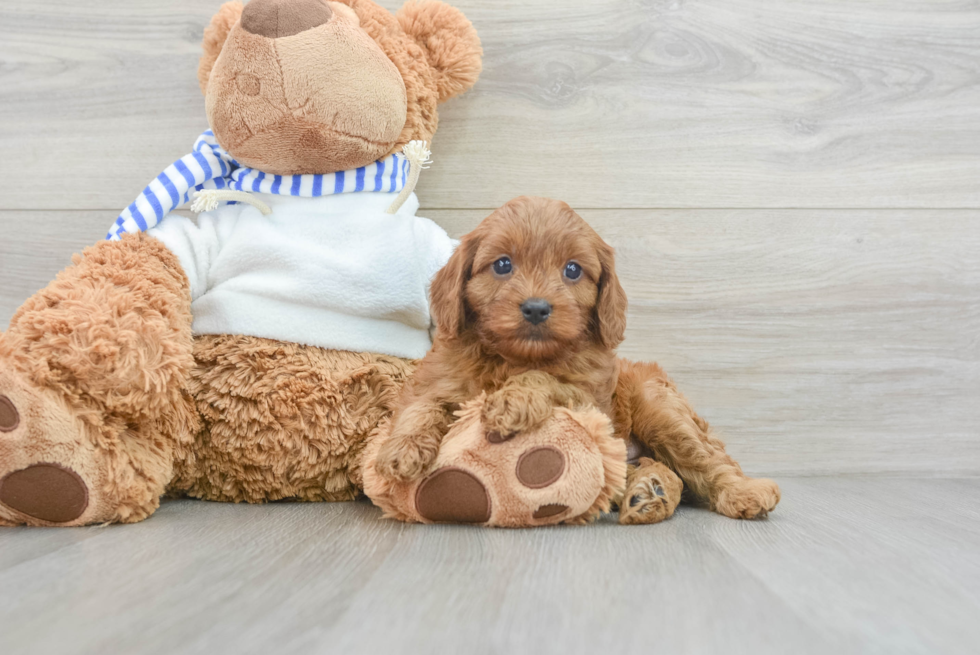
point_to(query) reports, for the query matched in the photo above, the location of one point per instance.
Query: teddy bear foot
(453, 495)
(652, 494)
(61, 466)
(565, 471)
(46, 492)
(45, 477)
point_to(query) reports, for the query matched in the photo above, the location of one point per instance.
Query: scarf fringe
(418, 156)
(205, 201)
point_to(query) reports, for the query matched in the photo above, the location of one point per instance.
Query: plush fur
(451, 45)
(283, 421)
(484, 344)
(215, 35)
(340, 94)
(101, 382)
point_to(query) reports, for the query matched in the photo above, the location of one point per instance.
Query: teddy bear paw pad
(9, 417)
(540, 467)
(496, 437)
(547, 511)
(48, 492)
(451, 494)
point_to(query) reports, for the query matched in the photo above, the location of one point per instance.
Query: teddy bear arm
(114, 327)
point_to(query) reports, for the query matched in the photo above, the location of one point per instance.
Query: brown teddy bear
(245, 356)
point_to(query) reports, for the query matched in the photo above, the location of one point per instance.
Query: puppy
(529, 310)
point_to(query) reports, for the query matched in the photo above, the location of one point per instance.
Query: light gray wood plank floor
(845, 565)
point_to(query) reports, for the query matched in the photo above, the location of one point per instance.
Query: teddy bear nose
(536, 310)
(276, 18)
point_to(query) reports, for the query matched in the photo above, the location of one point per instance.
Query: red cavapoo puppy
(529, 310)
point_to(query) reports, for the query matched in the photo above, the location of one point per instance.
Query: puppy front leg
(413, 444)
(526, 401)
(665, 421)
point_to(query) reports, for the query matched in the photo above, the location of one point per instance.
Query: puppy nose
(276, 18)
(536, 310)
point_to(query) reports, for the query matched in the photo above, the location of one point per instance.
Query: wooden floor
(846, 565)
(793, 190)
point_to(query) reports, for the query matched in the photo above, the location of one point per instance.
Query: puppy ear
(610, 309)
(447, 304)
(215, 35)
(449, 41)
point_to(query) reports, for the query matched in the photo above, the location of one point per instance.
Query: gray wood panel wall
(793, 188)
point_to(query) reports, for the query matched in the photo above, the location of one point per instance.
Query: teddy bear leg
(93, 402)
(283, 420)
(652, 493)
(565, 470)
(665, 422)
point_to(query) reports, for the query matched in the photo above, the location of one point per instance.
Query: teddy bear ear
(214, 39)
(449, 41)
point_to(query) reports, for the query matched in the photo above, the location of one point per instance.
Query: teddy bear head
(316, 86)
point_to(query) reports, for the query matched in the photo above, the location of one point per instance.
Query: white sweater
(333, 271)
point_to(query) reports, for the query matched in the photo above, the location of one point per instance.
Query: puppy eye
(573, 271)
(502, 266)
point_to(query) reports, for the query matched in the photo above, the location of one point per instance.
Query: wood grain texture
(815, 341)
(845, 565)
(626, 103)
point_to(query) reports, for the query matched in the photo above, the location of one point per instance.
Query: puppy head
(533, 282)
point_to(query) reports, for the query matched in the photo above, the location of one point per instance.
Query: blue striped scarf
(209, 166)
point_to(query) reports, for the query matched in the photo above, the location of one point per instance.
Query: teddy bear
(247, 355)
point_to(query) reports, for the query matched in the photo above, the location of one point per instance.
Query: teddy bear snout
(276, 18)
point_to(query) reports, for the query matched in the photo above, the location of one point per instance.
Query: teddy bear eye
(502, 266)
(573, 271)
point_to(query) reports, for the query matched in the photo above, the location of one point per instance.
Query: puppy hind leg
(652, 493)
(665, 421)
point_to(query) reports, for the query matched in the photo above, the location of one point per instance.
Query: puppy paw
(747, 498)
(652, 493)
(403, 459)
(509, 411)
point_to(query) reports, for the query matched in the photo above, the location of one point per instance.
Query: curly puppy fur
(484, 343)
